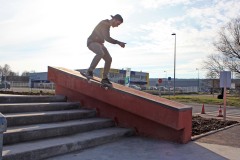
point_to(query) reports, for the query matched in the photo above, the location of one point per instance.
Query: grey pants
(101, 53)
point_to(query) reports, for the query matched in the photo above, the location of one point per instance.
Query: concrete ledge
(150, 115)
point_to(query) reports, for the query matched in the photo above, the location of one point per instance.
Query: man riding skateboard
(95, 43)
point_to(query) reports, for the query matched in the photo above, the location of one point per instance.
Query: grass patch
(206, 99)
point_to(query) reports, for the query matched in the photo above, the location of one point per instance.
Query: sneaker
(89, 74)
(106, 81)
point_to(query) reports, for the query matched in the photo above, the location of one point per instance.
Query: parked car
(144, 88)
(162, 88)
(135, 87)
(5, 85)
(153, 88)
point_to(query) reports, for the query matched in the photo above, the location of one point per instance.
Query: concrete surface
(229, 137)
(138, 148)
(225, 143)
(38, 150)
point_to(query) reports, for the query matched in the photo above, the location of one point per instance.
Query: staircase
(45, 126)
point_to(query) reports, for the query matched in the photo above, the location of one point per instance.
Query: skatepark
(110, 80)
(222, 145)
(127, 121)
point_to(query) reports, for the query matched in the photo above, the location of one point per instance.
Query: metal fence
(188, 89)
(19, 84)
(32, 85)
(178, 89)
(27, 87)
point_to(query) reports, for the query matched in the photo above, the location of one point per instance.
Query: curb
(193, 138)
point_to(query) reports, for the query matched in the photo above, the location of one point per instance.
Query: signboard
(114, 71)
(159, 80)
(225, 79)
(127, 79)
(225, 82)
(38, 76)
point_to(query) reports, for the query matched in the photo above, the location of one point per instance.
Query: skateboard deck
(103, 85)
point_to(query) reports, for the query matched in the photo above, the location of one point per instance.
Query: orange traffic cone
(203, 110)
(220, 112)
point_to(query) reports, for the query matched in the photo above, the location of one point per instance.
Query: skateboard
(102, 85)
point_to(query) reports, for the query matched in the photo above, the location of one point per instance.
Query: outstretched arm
(122, 44)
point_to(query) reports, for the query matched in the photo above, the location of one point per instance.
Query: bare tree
(25, 73)
(13, 74)
(228, 44)
(228, 48)
(6, 70)
(214, 64)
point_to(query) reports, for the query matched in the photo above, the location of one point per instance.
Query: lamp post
(231, 67)
(174, 34)
(198, 78)
(166, 79)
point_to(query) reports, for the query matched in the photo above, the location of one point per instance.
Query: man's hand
(122, 44)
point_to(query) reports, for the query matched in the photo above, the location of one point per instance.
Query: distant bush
(27, 93)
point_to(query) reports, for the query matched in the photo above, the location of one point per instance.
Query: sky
(35, 34)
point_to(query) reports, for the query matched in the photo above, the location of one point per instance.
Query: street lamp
(231, 67)
(198, 78)
(174, 34)
(166, 79)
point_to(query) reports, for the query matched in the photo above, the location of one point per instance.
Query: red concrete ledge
(150, 115)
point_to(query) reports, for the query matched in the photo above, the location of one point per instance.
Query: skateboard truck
(103, 85)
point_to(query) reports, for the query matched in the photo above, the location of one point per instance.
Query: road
(233, 113)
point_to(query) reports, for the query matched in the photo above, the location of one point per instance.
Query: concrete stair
(40, 127)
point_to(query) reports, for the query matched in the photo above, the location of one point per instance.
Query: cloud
(195, 30)
(35, 34)
(162, 3)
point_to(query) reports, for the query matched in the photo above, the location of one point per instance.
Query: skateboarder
(96, 41)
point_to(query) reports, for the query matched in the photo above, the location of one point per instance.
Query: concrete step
(28, 118)
(42, 131)
(42, 149)
(31, 99)
(36, 107)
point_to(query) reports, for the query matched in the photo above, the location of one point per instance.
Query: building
(119, 75)
(194, 85)
(40, 80)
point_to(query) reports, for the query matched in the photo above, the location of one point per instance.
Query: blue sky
(35, 34)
